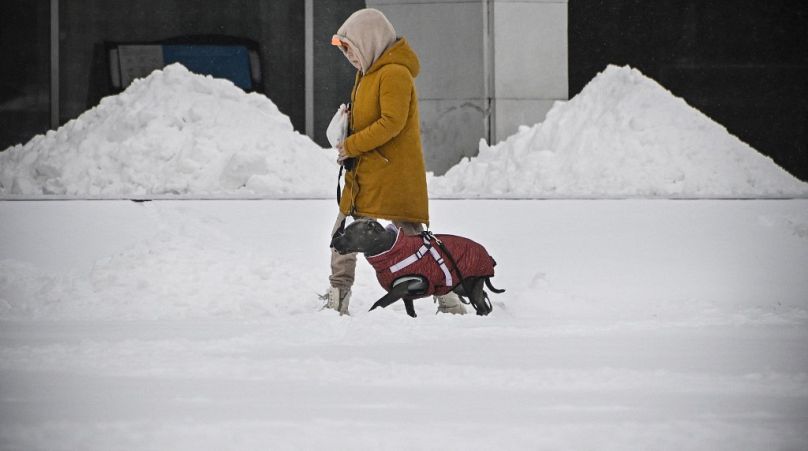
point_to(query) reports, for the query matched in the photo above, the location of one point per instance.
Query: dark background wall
(24, 70)
(333, 74)
(278, 26)
(743, 63)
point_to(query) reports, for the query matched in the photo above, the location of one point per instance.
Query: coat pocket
(376, 160)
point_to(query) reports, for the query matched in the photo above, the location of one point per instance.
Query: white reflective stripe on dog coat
(419, 254)
(409, 260)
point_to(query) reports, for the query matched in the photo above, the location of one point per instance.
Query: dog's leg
(479, 298)
(416, 285)
(461, 290)
(409, 307)
(395, 293)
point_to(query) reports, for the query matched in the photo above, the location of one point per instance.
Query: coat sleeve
(395, 91)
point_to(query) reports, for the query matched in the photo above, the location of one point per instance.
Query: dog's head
(363, 235)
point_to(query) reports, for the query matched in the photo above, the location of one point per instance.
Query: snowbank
(623, 134)
(173, 132)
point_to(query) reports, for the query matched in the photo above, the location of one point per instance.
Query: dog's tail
(491, 287)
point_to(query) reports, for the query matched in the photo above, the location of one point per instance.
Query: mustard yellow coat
(389, 179)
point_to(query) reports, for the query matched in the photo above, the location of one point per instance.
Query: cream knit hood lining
(369, 33)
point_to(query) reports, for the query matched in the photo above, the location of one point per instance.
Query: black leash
(349, 163)
(339, 190)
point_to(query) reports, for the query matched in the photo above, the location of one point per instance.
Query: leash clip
(428, 235)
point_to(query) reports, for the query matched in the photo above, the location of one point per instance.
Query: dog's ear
(356, 223)
(378, 228)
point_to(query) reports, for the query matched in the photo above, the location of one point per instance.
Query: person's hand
(341, 155)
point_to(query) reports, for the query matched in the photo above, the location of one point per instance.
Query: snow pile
(173, 132)
(624, 134)
(177, 133)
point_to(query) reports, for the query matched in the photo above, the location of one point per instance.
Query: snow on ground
(173, 132)
(634, 324)
(623, 134)
(178, 134)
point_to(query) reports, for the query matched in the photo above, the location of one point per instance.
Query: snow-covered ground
(633, 324)
(627, 324)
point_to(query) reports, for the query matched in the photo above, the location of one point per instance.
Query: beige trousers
(343, 267)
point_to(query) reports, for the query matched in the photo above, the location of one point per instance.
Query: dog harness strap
(412, 258)
(419, 254)
(442, 265)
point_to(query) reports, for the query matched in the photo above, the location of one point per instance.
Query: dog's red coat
(471, 257)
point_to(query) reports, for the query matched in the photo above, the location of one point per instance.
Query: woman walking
(385, 177)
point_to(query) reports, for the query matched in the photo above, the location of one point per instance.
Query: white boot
(450, 303)
(336, 300)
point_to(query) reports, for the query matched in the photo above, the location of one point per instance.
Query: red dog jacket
(417, 255)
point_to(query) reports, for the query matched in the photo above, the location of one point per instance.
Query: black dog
(412, 267)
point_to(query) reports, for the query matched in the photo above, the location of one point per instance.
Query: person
(385, 176)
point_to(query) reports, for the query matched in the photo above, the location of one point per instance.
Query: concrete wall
(486, 68)
(448, 38)
(530, 62)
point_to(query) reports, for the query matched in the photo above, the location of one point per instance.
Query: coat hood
(399, 53)
(369, 33)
